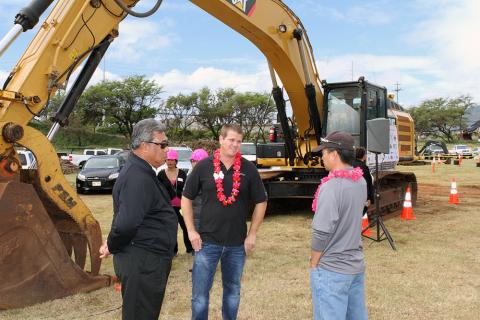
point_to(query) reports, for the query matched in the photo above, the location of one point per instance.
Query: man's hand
(315, 258)
(195, 239)
(104, 252)
(250, 242)
(368, 203)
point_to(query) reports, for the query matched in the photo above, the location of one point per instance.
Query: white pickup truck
(80, 159)
(461, 149)
(27, 159)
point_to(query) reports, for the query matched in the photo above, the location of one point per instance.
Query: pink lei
(354, 175)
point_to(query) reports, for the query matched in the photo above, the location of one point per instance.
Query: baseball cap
(336, 140)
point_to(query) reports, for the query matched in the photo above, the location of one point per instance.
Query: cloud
(451, 37)
(360, 14)
(98, 76)
(409, 72)
(140, 38)
(176, 81)
(453, 34)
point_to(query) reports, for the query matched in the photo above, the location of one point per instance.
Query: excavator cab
(348, 105)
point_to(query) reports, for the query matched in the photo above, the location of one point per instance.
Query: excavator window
(376, 103)
(344, 110)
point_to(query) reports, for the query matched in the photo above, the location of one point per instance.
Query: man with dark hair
(337, 262)
(230, 185)
(144, 226)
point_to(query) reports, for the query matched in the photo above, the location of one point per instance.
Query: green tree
(121, 103)
(441, 117)
(253, 111)
(215, 109)
(75, 127)
(92, 103)
(178, 114)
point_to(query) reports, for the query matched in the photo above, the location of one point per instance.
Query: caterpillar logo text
(247, 6)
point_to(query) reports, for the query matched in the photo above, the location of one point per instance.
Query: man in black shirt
(230, 185)
(360, 161)
(144, 226)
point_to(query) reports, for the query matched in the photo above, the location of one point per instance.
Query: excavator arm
(44, 222)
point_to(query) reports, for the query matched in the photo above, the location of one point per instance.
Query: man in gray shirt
(337, 262)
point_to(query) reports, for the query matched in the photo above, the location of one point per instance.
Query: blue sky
(430, 47)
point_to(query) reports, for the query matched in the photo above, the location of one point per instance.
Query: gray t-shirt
(338, 218)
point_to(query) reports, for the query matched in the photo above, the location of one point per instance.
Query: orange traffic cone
(367, 232)
(407, 211)
(433, 164)
(454, 193)
(460, 158)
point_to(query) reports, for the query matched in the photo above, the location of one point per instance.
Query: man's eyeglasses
(162, 144)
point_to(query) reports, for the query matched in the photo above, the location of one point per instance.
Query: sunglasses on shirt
(330, 141)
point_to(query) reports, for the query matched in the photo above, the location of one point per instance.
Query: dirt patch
(426, 190)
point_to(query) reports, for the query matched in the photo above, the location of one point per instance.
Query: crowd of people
(211, 205)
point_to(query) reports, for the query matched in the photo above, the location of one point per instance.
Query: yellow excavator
(49, 239)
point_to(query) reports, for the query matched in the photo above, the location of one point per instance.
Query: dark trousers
(182, 224)
(144, 276)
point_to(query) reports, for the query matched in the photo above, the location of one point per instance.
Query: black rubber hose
(122, 5)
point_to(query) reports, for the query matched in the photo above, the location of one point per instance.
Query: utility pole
(397, 89)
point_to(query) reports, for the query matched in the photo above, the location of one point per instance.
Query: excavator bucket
(36, 249)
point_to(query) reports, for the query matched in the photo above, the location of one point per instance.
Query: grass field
(435, 274)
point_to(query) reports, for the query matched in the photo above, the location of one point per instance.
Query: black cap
(336, 140)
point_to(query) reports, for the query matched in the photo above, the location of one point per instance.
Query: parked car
(433, 150)
(124, 154)
(249, 151)
(461, 149)
(99, 173)
(80, 159)
(184, 154)
(27, 159)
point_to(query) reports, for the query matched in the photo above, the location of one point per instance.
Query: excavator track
(392, 188)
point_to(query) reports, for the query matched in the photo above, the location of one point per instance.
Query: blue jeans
(204, 267)
(338, 296)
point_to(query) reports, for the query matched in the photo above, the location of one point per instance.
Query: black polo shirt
(219, 224)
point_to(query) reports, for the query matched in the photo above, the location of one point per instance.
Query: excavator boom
(48, 234)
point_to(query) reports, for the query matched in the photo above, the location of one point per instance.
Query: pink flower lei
(219, 178)
(354, 175)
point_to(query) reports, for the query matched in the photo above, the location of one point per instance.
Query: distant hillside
(472, 115)
(71, 139)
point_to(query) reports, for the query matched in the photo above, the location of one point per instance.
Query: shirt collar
(156, 170)
(139, 161)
